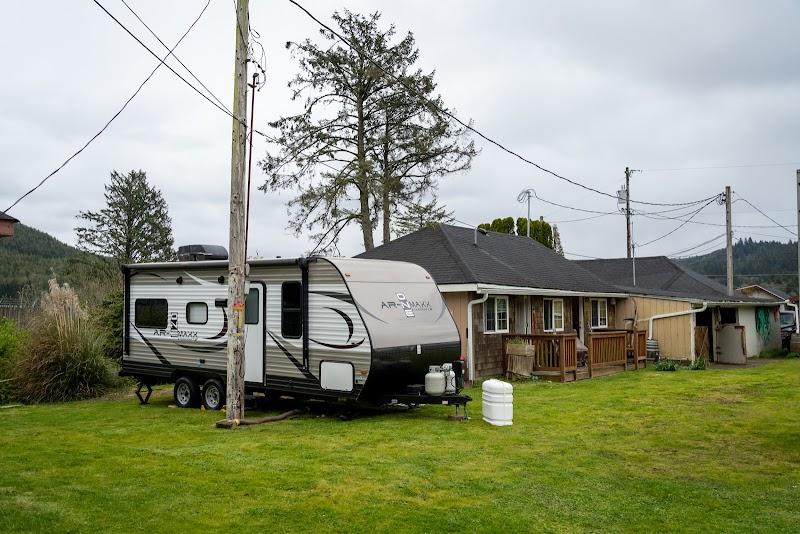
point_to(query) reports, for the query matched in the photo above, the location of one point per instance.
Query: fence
(555, 355)
(15, 309)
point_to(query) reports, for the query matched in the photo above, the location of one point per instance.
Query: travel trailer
(337, 329)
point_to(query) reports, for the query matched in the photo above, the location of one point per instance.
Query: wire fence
(16, 309)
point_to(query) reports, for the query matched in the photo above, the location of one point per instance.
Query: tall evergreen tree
(364, 145)
(419, 215)
(133, 227)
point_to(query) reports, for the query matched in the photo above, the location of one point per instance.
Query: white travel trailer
(339, 329)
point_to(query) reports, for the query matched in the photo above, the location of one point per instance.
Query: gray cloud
(583, 88)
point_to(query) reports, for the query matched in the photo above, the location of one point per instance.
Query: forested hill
(31, 257)
(773, 263)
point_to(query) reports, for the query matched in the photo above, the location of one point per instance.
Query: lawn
(638, 451)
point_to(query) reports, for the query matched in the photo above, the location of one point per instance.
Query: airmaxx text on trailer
(344, 330)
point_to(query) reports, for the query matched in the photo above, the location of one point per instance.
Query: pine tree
(133, 227)
(422, 215)
(364, 145)
(558, 248)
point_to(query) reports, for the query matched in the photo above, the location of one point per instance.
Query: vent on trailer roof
(202, 252)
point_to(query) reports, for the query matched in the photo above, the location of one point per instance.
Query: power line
(582, 256)
(184, 80)
(765, 215)
(584, 218)
(117, 114)
(745, 166)
(684, 251)
(684, 223)
(176, 57)
(469, 126)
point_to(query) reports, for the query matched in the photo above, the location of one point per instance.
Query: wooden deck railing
(554, 354)
(606, 349)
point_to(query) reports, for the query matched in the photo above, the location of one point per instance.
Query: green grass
(637, 451)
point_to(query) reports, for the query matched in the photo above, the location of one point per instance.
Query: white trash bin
(498, 402)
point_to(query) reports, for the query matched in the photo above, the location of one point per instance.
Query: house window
(599, 313)
(291, 310)
(495, 310)
(251, 312)
(150, 313)
(197, 313)
(553, 315)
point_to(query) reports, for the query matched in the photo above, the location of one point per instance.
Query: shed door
(254, 334)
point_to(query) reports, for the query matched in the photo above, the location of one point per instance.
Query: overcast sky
(583, 88)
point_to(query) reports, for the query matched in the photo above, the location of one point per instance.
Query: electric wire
(113, 117)
(765, 215)
(210, 92)
(744, 166)
(469, 126)
(684, 223)
(704, 243)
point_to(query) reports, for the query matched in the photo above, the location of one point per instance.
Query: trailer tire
(186, 393)
(213, 394)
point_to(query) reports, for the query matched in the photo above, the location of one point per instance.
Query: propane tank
(435, 381)
(449, 379)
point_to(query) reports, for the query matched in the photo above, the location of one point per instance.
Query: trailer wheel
(213, 394)
(186, 393)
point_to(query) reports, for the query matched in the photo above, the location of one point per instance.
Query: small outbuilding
(7, 223)
(693, 316)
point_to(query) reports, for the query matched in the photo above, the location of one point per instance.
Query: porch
(557, 357)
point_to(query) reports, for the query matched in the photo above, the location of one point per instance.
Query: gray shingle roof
(660, 276)
(5, 217)
(782, 295)
(448, 253)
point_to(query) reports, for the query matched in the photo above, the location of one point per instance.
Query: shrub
(64, 358)
(108, 318)
(698, 365)
(666, 365)
(11, 338)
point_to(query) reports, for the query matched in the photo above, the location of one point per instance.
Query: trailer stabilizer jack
(146, 399)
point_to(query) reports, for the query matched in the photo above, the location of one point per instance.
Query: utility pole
(238, 225)
(628, 210)
(729, 239)
(795, 340)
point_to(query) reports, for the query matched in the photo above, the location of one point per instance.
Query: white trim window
(553, 315)
(599, 313)
(495, 313)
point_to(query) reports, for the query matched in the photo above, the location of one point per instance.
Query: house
(758, 291)
(706, 321)
(7, 223)
(500, 286)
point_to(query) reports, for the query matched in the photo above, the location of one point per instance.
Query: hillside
(773, 263)
(31, 257)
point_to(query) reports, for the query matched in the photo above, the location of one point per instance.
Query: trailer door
(254, 311)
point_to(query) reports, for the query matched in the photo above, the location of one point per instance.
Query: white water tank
(498, 402)
(435, 381)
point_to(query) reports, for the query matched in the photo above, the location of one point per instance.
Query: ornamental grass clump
(64, 358)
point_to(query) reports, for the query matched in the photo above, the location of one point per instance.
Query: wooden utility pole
(798, 240)
(729, 239)
(628, 210)
(237, 256)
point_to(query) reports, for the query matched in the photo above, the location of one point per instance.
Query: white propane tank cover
(498, 402)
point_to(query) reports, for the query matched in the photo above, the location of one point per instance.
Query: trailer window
(291, 309)
(251, 311)
(197, 313)
(150, 313)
